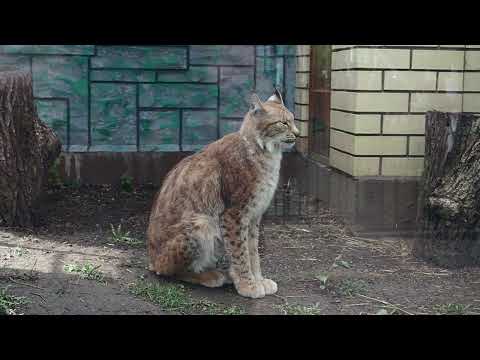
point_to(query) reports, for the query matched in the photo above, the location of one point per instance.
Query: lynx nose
(295, 131)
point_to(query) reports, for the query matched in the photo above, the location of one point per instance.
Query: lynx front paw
(254, 291)
(269, 286)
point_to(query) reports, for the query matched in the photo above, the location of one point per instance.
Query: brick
(472, 60)
(303, 63)
(369, 102)
(222, 55)
(437, 59)
(355, 166)
(123, 75)
(228, 126)
(356, 80)
(414, 46)
(303, 49)
(302, 80)
(339, 47)
(422, 102)
(178, 95)
(368, 145)
(159, 130)
(266, 77)
(199, 128)
(65, 77)
(410, 80)
(301, 112)
(471, 103)
(289, 71)
(48, 49)
(371, 59)
(380, 145)
(236, 84)
(342, 141)
(204, 74)
(472, 82)
(143, 57)
(286, 50)
(404, 124)
(113, 114)
(417, 145)
(301, 96)
(355, 123)
(14, 62)
(402, 166)
(450, 81)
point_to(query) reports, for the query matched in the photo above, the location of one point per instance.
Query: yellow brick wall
(380, 94)
(301, 110)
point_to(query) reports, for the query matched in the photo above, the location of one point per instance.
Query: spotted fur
(205, 219)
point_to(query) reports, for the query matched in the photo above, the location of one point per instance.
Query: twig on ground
(434, 274)
(361, 304)
(308, 259)
(386, 303)
(23, 284)
(40, 296)
(299, 247)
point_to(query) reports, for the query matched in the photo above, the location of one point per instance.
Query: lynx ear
(256, 104)
(276, 97)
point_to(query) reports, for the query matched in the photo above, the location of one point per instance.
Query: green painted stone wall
(149, 98)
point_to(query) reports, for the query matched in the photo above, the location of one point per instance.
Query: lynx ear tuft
(276, 97)
(256, 104)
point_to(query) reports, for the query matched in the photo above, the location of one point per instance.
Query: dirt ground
(320, 268)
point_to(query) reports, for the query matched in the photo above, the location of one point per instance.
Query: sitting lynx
(205, 219)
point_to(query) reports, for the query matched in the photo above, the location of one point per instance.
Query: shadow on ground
(319, 266)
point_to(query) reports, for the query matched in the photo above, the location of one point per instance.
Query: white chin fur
(286, 146)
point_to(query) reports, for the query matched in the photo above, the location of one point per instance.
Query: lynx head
(270, 123)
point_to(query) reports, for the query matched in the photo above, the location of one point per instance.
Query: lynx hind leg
(174, 256)
(210, 279)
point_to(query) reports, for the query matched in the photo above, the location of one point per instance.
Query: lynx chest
(264, 189)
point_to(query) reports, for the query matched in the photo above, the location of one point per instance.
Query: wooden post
(27, 150)
(449, 226)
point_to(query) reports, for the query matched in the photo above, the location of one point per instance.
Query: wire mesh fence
(290, 204)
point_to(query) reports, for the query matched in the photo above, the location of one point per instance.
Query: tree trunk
(27, 150)
(449, 226)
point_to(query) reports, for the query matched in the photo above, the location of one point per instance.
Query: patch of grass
(120, 236)
(169, 297)
(323, 277)
(299, 309)
(172, 297)
(450, 309)
(233, 310)
(18, 251)
(86, 271)
(74, 184)
(8, 302)
(350, 287)
(212, 308)
(126, 183)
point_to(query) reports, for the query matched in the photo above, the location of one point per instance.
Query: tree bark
(27, 150)
(449, 226)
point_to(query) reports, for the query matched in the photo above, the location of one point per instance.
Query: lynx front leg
(235, 234)
(269, 286)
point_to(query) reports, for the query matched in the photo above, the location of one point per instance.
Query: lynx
(204, 223)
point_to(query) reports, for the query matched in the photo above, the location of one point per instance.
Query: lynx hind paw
(255, 291)
(269, 286)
